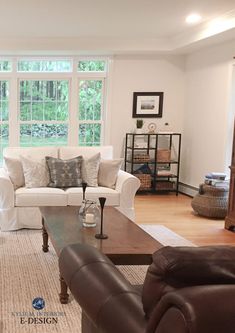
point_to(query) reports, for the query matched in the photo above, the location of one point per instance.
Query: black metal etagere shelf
(155, 159)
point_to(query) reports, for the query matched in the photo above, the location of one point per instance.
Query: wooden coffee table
(127, 243)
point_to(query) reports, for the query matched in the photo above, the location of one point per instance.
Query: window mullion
(13, 113)
(73, 108)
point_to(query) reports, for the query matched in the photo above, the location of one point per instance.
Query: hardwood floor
(176, 214)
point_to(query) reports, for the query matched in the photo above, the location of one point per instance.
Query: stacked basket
(143, 175)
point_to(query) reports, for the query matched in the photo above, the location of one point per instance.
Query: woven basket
(145, 181)
(164, 185)
(163, 155)
(211, 201)
(141, 158)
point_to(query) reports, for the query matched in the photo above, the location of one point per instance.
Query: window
(4, 115)
(91, 66)
(44, 66)
(90, 112)
(52, 101)
(43, 112)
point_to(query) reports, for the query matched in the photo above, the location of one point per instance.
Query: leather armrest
(6, 191)
(203, 309)
(107, 298)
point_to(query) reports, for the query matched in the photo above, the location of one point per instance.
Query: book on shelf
(165, 173)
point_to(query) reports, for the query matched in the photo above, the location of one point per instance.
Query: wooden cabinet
(230, 218)
(154, 159)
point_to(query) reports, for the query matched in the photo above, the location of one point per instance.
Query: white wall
(145, 74)
(198, 102)
(208, 115)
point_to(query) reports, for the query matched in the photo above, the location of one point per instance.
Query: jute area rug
(27, 273)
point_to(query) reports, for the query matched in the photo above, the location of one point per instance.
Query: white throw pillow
(35, 172)
(90, 168)
(108, 171)
(15, 171)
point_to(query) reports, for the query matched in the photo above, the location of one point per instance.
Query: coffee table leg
(64, 296)
(44, 237)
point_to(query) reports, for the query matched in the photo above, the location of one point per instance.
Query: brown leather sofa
(186, 290)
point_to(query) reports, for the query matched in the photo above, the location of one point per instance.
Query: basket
(145, 181)
(164, 185)
(211, 201)
(141, 158)
(163, 155)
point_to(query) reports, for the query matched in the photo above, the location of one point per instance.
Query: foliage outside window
(91, 66)
(44, 66)
(5, 66)
(90, 112)
(43, 112)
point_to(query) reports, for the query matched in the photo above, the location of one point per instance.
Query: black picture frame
(147, 104)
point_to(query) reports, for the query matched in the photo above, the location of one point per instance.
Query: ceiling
(113, 27)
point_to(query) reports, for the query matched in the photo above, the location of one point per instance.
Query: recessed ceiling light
(193, 18)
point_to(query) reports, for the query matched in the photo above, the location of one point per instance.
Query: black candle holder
(101, 235)
(84, 186)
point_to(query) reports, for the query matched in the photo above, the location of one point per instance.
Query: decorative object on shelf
(163, 155)
(139, 126)
(89, 213)
(166, 129)
(101, 235)
(144, 174)
(145, 181)
(141, 145)
(147, 104)
(143, 169)
(152, 128)
(164, 185)
(143, 158)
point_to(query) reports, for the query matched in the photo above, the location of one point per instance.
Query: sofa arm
(201, 309)
(6, 191)
(106, 297)
(127, 185)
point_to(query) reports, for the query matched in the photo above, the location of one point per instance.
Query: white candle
(90, 218)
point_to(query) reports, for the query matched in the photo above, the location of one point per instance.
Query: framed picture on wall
(147, 104)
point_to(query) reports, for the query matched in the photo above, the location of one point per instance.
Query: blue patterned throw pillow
(64, 173)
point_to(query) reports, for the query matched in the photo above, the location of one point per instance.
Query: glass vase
(89, 213)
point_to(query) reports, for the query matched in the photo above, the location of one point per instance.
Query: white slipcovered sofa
(19, 207)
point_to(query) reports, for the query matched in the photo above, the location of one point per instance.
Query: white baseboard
(188, 189)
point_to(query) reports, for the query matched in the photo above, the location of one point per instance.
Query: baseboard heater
(188, 189)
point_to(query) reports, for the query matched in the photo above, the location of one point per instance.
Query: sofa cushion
(14, 169)
(30, 152)
(108, 172)
(75, 195)
(41, 196)
(35, 172)
(14, 166)
(90, 168)
(65, 152)
(64, 173)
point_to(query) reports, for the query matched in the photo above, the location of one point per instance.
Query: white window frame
(73, 77)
